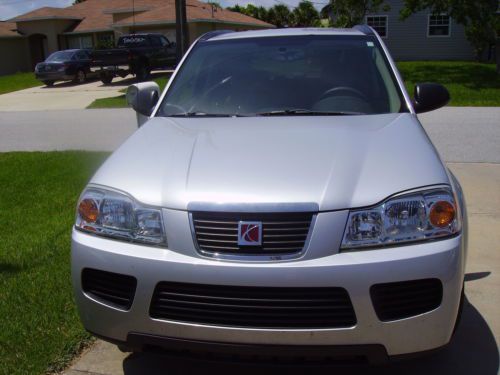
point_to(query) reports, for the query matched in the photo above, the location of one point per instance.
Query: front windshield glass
(60, 56)
(336, 75)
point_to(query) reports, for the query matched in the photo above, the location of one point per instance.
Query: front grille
(282, 233)
(110, 288)
(404, 299)
(256, 307)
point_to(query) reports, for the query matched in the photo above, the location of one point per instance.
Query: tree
(305, 15)
(250, 10)
(261, 14)
(236, 8)
(281, 15)
(347, 13)
(477, 16)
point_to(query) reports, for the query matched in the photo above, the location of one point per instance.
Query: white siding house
(422, 36)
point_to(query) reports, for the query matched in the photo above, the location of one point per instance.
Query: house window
(379, 24)
(105, 40)
(83, 41)
(438, 25)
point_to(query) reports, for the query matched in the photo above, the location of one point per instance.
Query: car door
(83, 60)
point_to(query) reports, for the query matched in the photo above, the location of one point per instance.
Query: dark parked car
(136, 54)
(66, 65)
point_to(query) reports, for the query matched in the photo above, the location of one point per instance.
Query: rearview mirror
(142, 97)
(429, 96)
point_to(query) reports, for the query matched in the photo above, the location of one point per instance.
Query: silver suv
(282, 199)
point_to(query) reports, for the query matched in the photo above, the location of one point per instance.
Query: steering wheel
(335, 91)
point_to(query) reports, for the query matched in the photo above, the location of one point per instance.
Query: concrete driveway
(64, 95)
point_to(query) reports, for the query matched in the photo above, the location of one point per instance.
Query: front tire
(142, 73)
(106, 78)
(80, 77)
(48, 83)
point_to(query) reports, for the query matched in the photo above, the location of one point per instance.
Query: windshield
(299, 75)
(60, 56)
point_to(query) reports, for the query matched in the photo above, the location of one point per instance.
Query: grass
(119, 101)
(18, 81)
(469, 83)
(113, 102)
(40, 329)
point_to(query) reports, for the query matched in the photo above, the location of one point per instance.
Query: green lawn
(40, 330)
(469, 83)
(119, 101)
(18, 81)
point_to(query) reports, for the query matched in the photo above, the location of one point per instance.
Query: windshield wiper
(307, 112)
(204, 114)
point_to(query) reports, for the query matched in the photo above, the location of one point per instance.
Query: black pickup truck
(136, 54)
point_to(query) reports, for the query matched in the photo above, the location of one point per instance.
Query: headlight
(410, 217)
(111, 214)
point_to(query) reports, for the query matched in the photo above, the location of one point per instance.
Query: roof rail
(365, 29)
(215, 33)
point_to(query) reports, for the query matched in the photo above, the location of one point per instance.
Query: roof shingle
(48, 13)
(196, 10)
(98, 15)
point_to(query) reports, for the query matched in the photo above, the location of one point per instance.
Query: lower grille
(404, 299)
(282, 233)
(257, 307)
(110, 288)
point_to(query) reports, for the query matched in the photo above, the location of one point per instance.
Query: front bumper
(54, 76)
(354, 271)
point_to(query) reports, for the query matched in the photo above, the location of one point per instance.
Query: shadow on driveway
(472, 351)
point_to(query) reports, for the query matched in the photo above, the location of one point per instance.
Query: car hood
(332, 162)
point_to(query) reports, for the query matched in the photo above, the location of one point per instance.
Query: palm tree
(281, 15)
(305, 14)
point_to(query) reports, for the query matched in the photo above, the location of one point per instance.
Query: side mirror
(429, 96)
(142, 97)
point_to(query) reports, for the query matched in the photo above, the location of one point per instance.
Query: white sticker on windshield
(370, 44)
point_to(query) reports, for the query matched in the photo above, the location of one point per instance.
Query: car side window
(81, 55)
(164, 41)
(155, 41)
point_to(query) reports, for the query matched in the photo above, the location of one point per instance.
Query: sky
(13, 8)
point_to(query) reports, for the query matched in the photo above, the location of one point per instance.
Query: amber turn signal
(442, 214)
(88, 210)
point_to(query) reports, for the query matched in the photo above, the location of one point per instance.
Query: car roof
(357, 30)
(141, 34)
(71, 50)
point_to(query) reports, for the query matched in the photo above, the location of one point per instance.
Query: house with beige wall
(29, 38)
